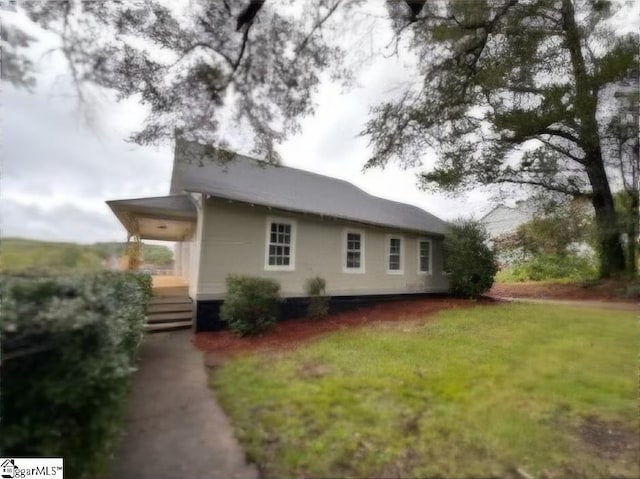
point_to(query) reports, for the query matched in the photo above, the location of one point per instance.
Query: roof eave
(313, 213)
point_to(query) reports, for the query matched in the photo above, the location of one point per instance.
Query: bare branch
(317, 26)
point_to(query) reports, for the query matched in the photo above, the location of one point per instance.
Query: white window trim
(343, 258)
(388, 252)
(425, 240)
(267, 240)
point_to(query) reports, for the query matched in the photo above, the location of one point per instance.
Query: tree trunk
(632, 233)
(611, 253)
(586, 107)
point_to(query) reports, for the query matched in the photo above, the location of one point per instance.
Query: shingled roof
(203, 169)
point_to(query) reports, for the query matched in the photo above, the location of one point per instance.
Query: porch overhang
(166, 218)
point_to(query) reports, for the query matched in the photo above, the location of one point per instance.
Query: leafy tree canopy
(187, 60)
(512, 92)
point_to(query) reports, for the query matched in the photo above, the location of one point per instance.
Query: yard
(495, 391)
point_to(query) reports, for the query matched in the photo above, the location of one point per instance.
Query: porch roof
(168, 218)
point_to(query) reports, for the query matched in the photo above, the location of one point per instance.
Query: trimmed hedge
(251, 304)
(69, 345)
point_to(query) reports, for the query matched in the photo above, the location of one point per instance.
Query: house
(504, 220)
(233, 214)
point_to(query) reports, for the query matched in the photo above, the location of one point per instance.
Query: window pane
(353, 259)
(354, 250)
(353, 241)
(279, 251)
(394, 246)
(424, 256)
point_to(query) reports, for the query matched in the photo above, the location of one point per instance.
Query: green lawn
(475, 393)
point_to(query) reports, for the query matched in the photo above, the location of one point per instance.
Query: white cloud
(63, 222)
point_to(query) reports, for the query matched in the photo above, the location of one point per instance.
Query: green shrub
(554, 267)
(511, 274)
(471, 264)
(69, 346)
(316, 289)
(251, 304)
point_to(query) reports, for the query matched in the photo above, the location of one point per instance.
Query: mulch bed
(287, 335)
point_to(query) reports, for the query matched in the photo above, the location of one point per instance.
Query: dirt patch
(601, 291)
(287, 335)
(609, 440)
(313, 370)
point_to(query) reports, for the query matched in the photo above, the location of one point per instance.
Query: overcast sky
(57, 171)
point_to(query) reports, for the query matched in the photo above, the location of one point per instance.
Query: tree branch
(560, 133)
(559, 189)
(318, 25)
(560, 150)
(196, 45)
(245, 38)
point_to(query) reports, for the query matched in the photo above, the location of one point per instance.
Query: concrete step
(161, 327)
(170, 300)
(169, 307)
(169, 317)
(171, 291)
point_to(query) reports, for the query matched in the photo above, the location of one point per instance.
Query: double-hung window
(353, 260)
(280, 251)
(424, 256)
(394, 255)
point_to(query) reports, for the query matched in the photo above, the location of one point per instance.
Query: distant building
(504, 220)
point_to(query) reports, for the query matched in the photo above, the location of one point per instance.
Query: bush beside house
(69, 345)
(318, 306)
(470, 263)
(251, 304)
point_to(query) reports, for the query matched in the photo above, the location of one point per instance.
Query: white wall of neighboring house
(505, 220)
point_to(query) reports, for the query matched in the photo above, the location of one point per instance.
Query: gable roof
(203, 169)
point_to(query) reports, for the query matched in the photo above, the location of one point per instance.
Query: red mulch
(287, 335)
(601, 291)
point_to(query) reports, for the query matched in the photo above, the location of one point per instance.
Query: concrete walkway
(613, 305)
(174, 428)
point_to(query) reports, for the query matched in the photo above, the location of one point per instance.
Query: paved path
(174, 428)
(620, 306)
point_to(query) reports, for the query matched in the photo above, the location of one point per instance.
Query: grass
(474, 393)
